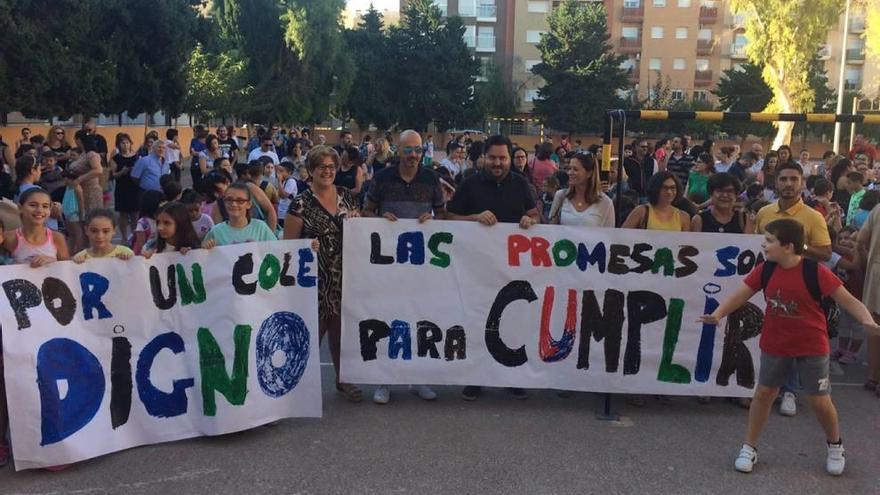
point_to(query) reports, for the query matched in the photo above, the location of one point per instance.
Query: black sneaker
(471, 392)
(518, 393)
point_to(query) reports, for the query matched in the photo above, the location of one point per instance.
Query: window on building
(655, 64)
(539, 7)
(486, 37)
(534, 36)
(702, 64)
(701, 95)
(531, 95)
(705, 34)
(628, 64)
(530, 64)
(678, 64)
(470, 36)
(681, 33)
(467, 8)
(740, 40)
(659, 3)
(632, 4)
(657, 32)
(684, 3)
(677, 95)
(630, 33)
(443, 5)
(853, 78)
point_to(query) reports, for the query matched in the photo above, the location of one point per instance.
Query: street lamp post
(840, 79)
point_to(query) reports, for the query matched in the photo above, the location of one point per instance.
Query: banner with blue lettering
(113, 354)
(572, 308)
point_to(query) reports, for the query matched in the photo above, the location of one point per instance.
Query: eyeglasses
(726, 191)
(60, 133)
(325, 168)
(236, 201)
(407, 150)
(670, 188)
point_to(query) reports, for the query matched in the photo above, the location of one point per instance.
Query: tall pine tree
(581, 71)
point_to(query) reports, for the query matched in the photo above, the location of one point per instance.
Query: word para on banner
(603, 322)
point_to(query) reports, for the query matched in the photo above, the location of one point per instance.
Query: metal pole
(841, 75)
(852, 127)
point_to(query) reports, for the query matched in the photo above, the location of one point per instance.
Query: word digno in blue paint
(66, 359)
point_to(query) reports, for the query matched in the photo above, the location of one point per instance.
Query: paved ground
(545, 444)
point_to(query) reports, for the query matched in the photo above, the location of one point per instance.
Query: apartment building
(686, 43)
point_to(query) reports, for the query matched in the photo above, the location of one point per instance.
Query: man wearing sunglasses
(407, 190)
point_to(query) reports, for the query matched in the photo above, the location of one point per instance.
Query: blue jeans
(792, 384)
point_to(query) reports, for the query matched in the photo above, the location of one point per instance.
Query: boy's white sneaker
(788, 406)
(382, 395)
(836, 460)
(747, 459)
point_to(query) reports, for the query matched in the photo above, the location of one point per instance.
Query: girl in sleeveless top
(34, 243)
(659, 214)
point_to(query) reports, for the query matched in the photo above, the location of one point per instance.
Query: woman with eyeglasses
(583, 202)
(722, 215)
(318, 213)
(660, 214)
(240, 227)
(57, 143)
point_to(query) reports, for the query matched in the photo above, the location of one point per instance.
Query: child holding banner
(794, 334)
(37, 245)
(240, 227)
(100, 228)
(174, 231)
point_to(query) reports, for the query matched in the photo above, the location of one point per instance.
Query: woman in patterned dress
(318, 213)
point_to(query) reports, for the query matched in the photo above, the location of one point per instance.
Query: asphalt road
(546, 444)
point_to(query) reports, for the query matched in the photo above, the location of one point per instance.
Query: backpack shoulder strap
(766, 273)
(264, 185)
(811, 278)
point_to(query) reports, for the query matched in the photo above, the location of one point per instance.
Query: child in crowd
(288, 190)
(849, 340)
(223, 163)
(869, 200)
(240, 227)
(302, 183)
(37, 245)
(171, 188)
(100, 229)
(794, 334)
(551, 185)
(201, 222)
(145, 229)
(71, 208)
(174, 231)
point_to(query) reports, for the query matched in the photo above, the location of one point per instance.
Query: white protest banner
(113, 354)
(602, 310)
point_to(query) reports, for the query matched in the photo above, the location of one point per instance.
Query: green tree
(784, 35)
(743, 90)
(369, 101)
(581, 71)
(662, 97)
(494, 97)
(217, 83)
(426, 91)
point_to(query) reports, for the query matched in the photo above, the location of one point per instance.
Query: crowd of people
(74, 201)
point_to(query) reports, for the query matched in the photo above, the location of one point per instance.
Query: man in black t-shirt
(228, 145)
(495, 195)
(89, 130)
(639, 168)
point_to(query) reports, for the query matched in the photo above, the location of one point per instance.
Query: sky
(379, 4)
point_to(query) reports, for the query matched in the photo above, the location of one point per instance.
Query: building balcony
(705, 47)
(630, 45)
(702, 77)
(487, 13)
(857, 25)
(486, 43)
(855, 56)
(738, 21)
(633, 14)
(738, 52)
(708, 15)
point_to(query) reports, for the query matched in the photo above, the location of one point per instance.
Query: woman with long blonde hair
(57, 143)
(380, 158)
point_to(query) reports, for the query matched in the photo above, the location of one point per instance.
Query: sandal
(350, 392)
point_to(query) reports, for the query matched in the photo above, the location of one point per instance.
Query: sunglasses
(412, 149)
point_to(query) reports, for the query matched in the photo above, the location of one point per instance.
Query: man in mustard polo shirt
(789, 184)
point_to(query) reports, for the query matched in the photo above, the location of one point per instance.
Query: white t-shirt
(453, 167)
(599, 214)
(171, 155)
(284, 203)
(203, 225)
(257, 153)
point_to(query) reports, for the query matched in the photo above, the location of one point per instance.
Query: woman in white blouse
(583, 203)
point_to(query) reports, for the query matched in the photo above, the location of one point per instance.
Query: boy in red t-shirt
(795, 333)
